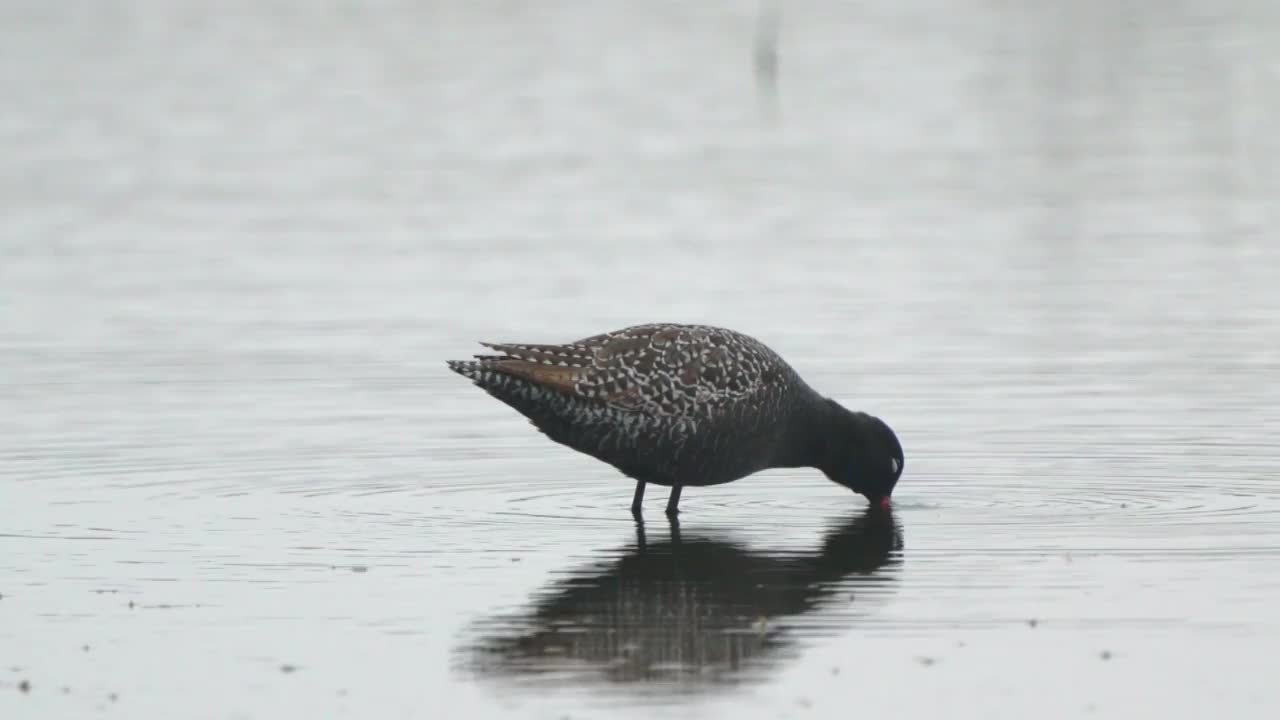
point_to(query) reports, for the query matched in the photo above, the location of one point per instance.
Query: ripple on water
(1066, 506)
(1051, 502)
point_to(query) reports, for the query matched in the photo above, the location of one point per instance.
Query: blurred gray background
(239, 239)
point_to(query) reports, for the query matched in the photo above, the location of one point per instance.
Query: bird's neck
(806, 442)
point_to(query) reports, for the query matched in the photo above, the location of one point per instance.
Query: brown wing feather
(556, 377)
(572, 355)
(662, 369)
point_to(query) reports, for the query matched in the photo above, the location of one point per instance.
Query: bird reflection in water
(691, 610)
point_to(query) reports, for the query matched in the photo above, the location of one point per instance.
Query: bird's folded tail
(500, 375)
(543, 393)
(572, 356)
(468, 368)
(493, 378)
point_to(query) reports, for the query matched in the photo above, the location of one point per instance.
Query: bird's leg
(674, 530)
(638, 499)
(641, 543)
(673, 502)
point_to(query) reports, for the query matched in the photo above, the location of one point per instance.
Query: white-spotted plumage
(690, 371)
(686, 405)
(667, 403)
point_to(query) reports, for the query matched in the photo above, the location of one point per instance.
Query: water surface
(237, 244)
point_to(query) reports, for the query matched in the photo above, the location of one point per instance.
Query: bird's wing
(657, 369)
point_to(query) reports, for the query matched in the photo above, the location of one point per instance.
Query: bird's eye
(893, 465)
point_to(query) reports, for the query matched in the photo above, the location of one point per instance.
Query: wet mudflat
(236, 246)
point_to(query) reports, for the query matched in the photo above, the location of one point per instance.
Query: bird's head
(863, 454)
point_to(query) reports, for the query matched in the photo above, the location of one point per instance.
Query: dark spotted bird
(687, 405)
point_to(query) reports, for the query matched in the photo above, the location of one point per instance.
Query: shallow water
(236, 480)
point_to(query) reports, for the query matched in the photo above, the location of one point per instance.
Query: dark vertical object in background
(766, 57)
